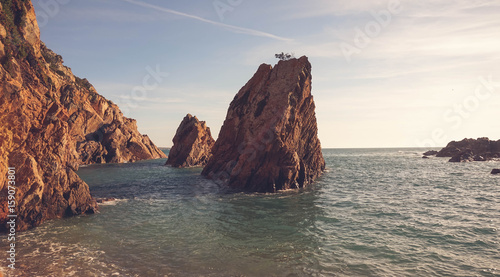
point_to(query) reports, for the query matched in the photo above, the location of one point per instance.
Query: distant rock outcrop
(116, 142)
(468, 150)
(269, 140)
(193, 144)
(52, 121)
(430, 153)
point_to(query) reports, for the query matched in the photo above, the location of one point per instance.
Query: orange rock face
(193, 144)
(269, 139)
(51, 122)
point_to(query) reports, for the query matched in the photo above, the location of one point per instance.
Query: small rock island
(469, 150)
(193, 144)
(269, 139)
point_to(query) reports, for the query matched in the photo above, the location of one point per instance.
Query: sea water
(374, 212)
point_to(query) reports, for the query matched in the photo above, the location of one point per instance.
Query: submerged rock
(269, 140)
(193, 144)
(52, 122)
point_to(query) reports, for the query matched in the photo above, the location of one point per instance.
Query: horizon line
(346, 148)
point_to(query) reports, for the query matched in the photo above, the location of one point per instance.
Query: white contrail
(232, 28)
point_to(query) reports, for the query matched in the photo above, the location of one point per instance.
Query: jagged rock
(495, 171)
(269, 139)
(466, 156)
(193, 144)
(430, 153)
(448, 151)
(479, 158)
(481, 149)
(52, 122)
(117, 142)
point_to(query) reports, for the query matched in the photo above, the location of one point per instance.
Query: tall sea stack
(52, 121)
(269, 140)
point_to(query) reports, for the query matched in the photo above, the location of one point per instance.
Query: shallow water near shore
(375, 212)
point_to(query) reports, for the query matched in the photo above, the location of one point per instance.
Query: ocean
(374, 212)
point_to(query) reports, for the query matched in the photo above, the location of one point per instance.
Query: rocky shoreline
(52, 122)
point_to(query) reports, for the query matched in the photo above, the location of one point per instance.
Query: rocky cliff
(269, 140)
(52, 122)
(193, 144)
(468, 150)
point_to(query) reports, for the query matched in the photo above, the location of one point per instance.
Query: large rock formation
(468, 150)
(52, 122)
(269, 139)
(193, 144)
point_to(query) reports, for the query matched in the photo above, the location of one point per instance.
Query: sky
(385, 73)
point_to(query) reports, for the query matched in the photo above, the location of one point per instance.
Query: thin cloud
(235, 29)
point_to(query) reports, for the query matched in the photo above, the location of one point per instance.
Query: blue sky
(385, 73)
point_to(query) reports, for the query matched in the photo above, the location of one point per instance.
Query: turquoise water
(375, 212)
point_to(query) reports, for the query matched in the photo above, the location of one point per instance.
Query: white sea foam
(112, 202)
